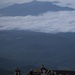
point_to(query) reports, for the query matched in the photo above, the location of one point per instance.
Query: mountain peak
(33, 8)
(35, 0)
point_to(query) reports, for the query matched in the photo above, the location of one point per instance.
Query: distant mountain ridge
(32, 8)
(57, 51)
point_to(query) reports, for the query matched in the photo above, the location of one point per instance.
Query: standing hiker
(17, 71)
(31, 72)
(43, 70)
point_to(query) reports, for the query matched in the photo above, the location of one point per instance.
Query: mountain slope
(8, 64)
(57, 51)
(32, 8)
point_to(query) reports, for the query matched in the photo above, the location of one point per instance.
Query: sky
(49, 22)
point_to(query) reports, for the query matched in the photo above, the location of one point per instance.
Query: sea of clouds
(50, 22)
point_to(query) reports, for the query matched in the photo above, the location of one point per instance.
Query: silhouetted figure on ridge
(17, 71)
(43, 70)
(31, 72)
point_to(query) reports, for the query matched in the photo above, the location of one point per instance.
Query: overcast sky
(4, 3)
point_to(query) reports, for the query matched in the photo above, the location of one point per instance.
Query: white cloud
(69, 3)
(51, 22)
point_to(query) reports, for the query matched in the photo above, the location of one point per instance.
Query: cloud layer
(69, 3)
(63, 21)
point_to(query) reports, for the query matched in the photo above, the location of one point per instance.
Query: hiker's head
(31, 69)
(42, 65)
(17, 68)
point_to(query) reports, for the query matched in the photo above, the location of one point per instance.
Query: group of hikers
(43, 71)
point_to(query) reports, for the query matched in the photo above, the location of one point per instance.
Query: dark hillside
(56, 51)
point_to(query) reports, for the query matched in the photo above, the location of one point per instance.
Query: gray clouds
(63, 21)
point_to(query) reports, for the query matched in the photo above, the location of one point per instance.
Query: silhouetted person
(31, 72)
(43, 69)
(17, 71)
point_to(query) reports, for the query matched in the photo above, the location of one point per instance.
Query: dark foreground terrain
(58, 72)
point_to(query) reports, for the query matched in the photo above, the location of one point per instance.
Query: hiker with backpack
(31, 72)
(43, 70)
